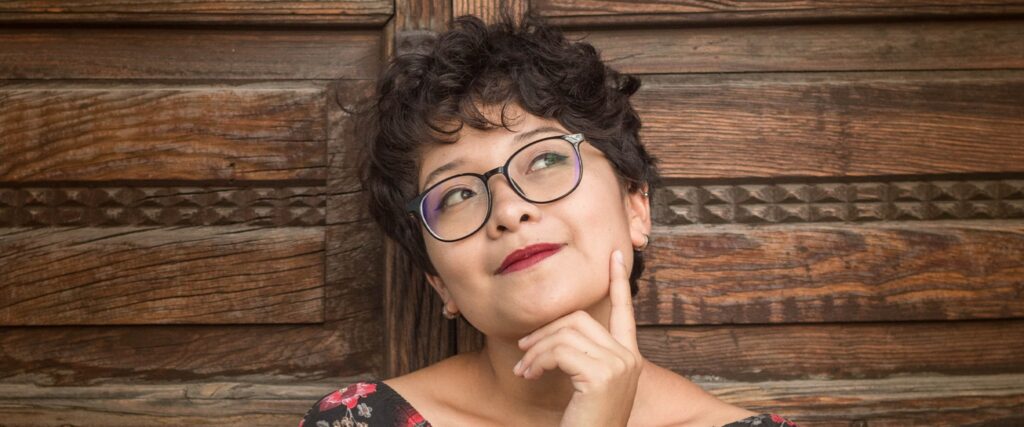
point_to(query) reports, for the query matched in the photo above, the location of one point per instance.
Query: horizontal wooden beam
(248, 132)
(879, 271)
(674, 12)
(834, 124)
(927, 400)
(913, 45)
(349, 13)
(836, 350)
(139, 275)
(49, 53)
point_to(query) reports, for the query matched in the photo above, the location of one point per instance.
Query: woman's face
(598, 217)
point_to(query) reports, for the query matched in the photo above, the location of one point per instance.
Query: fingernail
(515, 370)
(618, 257)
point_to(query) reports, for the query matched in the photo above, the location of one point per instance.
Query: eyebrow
(519, 139)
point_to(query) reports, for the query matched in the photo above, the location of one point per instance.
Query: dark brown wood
(991, 400)
(833, 273)
(836, 350)
(604, 12)
(187, 53)
(834, 124)
(924, 45)
(110, 205)
(248, 132)
(133, 276)
(920, 400)
(803, 202)
(352, 12)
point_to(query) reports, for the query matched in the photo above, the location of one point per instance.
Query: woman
(506, 162)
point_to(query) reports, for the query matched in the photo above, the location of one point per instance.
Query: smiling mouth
(530, 260)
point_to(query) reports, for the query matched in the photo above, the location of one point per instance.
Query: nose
(508, 210)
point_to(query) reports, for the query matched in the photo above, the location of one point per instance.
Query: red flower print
(414, 420)
(331, 401)
(350, 397)
(301, 422)
(780, 420)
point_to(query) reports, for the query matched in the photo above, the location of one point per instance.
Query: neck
(546, 396)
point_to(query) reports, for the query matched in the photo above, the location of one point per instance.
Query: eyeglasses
(543, 171)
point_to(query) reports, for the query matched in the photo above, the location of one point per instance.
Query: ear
(442, 289)
(638, 213)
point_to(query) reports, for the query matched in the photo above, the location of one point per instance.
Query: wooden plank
(990, 400)
(829, 124)
(489, 10)
(352, 12)
(187, 53)
(137, 275)
(921, 400)
(162, 404)
(833, 272)
(100, 132)
(916, 45)
(645, 12)
(111, 205)
(836, 350)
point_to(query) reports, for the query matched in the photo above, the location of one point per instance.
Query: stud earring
(447, 314)
(647, 240)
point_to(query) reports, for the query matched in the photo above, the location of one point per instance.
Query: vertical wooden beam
(489, 10)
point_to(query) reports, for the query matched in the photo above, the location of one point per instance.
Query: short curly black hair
(426, 96)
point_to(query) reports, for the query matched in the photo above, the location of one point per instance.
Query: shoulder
(762, 420)
(364, 403)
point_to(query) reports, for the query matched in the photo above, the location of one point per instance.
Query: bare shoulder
(673, 400)
(435, 391)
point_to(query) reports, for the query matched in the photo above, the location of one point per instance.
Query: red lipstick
(527, 256)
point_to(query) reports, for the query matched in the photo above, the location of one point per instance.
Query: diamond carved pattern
(166, 206)
(873, 201)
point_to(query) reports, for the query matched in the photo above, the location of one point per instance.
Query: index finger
(622, 324)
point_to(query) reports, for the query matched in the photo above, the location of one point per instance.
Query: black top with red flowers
(366, 404)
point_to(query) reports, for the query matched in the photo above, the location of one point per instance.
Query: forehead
(476, 145)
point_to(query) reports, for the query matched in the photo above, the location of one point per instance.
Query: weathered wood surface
(187, 53)
(112, 205)
(834, 124)
(489, 10)
(149, 132)
(991, 400)
(138, 275)
(351, 12)
(833, 273)
(836, 350)
(646, 12)
(925, 400)
(912, 45)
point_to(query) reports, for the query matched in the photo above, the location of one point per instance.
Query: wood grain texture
(133, 276)
(803, 202)
(616, 12)
(162, 404)
(351, 12)
(836, 350)
(989, 400)
(912, 45)
(170, 206)
(834, 124)
(187, 53)
(833, 273)
(489, 10)
(246, 132)
(919, 400)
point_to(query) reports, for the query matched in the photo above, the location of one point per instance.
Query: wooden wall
(841, 236)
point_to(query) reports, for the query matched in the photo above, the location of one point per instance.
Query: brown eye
(546, 160)
(456, 196)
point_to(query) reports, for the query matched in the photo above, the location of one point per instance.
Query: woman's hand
(604, 365)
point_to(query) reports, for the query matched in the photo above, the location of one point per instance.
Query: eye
(456, 196)
(546, 160)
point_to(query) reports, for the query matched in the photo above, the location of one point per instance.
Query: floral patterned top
(366, 404)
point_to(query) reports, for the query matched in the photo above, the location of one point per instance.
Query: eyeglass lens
(544, 171)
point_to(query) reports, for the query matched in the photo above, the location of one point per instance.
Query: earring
(644, 193)
(647, 240)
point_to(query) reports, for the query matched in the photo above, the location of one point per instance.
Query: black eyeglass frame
(415, 206)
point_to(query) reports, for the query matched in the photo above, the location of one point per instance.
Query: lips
(527, 256)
